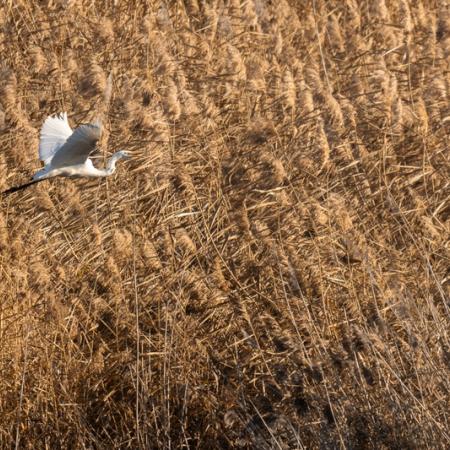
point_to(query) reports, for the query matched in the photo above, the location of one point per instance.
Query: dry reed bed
(271, 269)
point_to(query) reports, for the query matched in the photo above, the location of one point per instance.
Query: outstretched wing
(78, 146)
(54, 133)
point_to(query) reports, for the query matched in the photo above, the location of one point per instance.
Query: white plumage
(78, 146)
(54, 133)
(66, 152)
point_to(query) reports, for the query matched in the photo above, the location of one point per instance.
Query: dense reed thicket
(271, 269)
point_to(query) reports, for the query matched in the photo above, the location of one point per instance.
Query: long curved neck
(110, 165)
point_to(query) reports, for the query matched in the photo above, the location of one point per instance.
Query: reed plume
(273, 256)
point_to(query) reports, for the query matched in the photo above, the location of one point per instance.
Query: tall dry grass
(271, 268)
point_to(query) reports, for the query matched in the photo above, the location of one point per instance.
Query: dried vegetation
(271, 270)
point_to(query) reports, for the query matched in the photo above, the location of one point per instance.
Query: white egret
(65, 153)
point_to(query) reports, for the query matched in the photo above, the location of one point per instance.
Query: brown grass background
(271, 269)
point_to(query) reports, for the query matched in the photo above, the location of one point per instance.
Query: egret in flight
(65, 153)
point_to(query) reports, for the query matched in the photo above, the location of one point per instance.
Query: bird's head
(123, 154)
